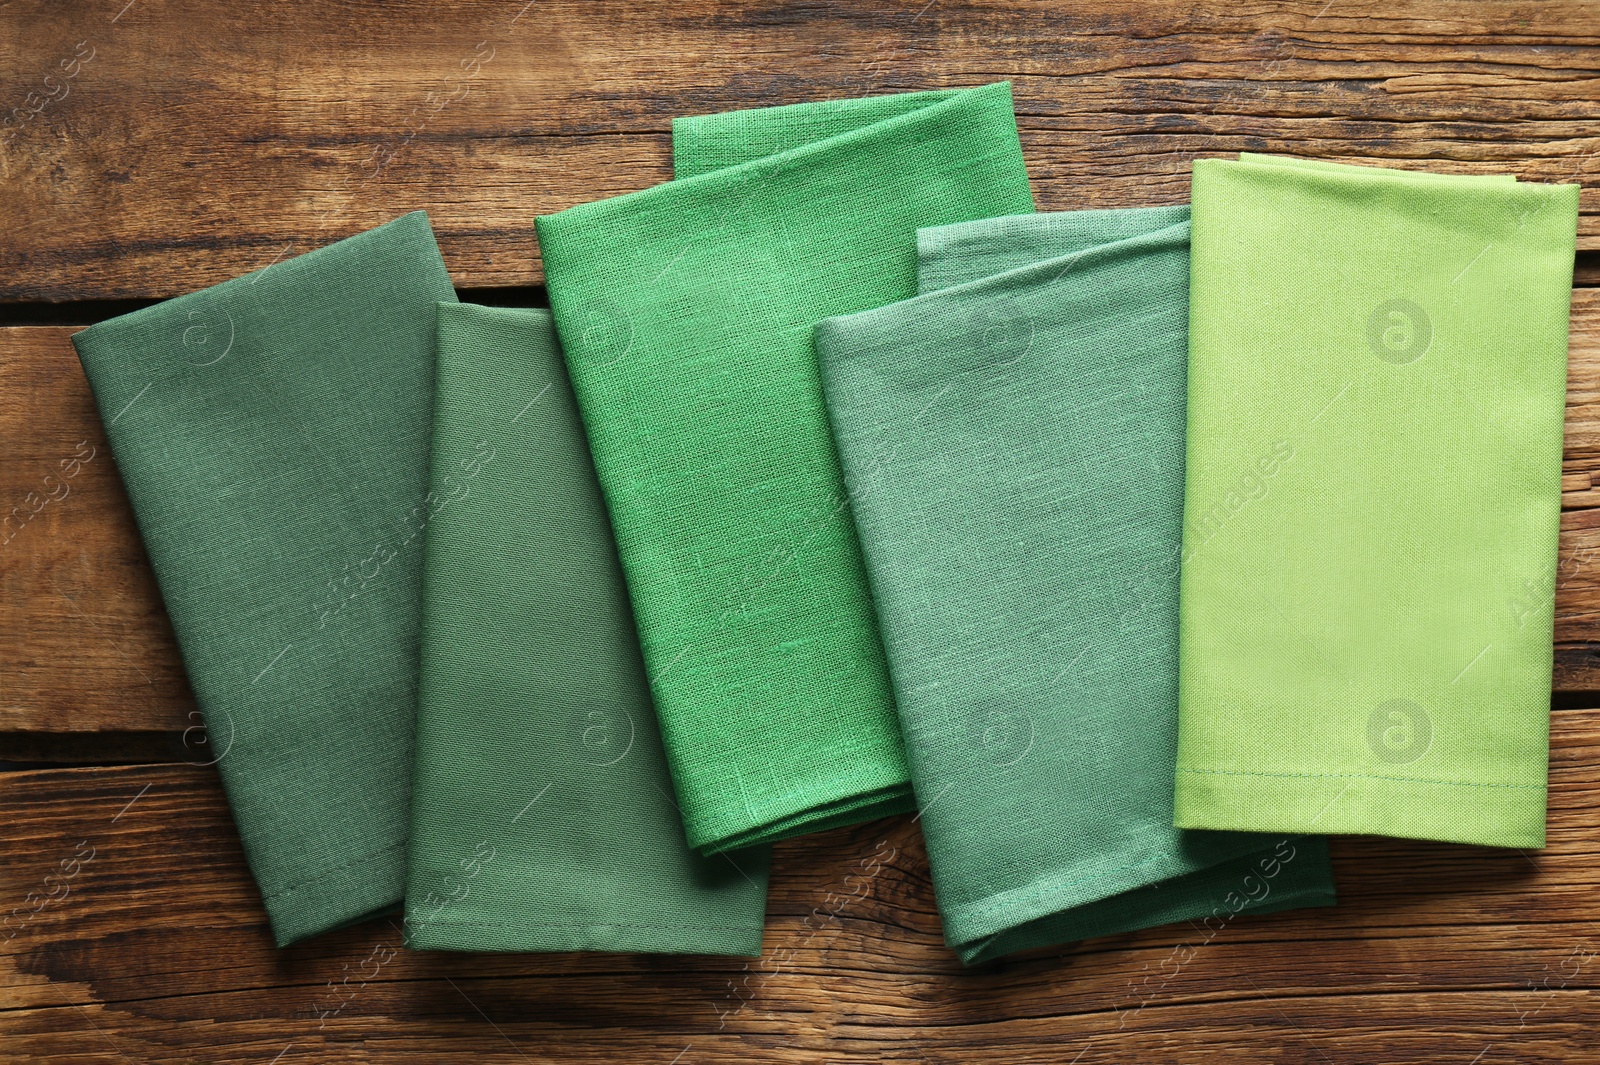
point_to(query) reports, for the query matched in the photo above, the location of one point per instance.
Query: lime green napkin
(685, 312)
(273, 435)
(1013, 444)
(542, 812)
(1376, 381)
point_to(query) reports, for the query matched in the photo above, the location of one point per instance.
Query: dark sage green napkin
(1012, 440)
(685, 312)
(272, 432)
(542, 814)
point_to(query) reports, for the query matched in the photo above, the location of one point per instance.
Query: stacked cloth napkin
(543, 816)
(1013, 444)
(1376, 383)
(685, 312)
(272, 432)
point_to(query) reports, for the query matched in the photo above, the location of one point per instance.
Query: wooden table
(179, 144)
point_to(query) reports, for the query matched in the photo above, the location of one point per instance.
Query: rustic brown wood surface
(175, 145)
(205, 139)
(141, 936)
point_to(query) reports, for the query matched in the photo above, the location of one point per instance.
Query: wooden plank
(1577, 576)
(90, 649)
(88, 646)
(150, 932)
(175, 146)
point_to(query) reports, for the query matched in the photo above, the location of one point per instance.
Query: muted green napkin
(1377, 372)
(1013, 444)
(685, 312)
(272, 432)
(542, 815)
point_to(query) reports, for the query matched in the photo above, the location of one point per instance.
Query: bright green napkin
(1376, 383)
(542, 812)
(273, 435)
(1013, 444)
(685, 312)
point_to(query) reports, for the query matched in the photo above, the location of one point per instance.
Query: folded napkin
(1013, 444)
(1377, 372)
(272, 432)
(542, 811)
(685, 312)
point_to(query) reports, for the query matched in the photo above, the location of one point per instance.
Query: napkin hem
(598, 937)
(1047, 896)
(329, 912)
(1147, 906)
(855, 807)
(1297, 899)
(1452, 811)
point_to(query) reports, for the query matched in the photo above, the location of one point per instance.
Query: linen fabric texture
(1377, 375)
(685, 312)
(543, 815)
(272, 432)
(1012, 440)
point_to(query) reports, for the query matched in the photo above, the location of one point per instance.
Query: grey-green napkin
(1012, 440)
(543, 815)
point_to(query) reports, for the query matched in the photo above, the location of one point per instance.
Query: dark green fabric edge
(1301, 881)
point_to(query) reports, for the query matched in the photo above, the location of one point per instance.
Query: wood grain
(202, 140)
(87, 646)
(1434, 953)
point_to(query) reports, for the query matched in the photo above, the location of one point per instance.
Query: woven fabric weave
(1377, 377)
(1012, 440)
(685, 312)
(542, 813)
(272, 432)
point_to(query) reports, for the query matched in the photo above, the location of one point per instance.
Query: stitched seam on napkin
(336, 870)
(1053, 886)
(1366, 776)
(731, 833)
(531, 925)
(977, 950)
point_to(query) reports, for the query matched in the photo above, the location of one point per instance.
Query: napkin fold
(1012, 440)
(1377, 368)
(272, 432)
(542, 813)
(685, 313)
